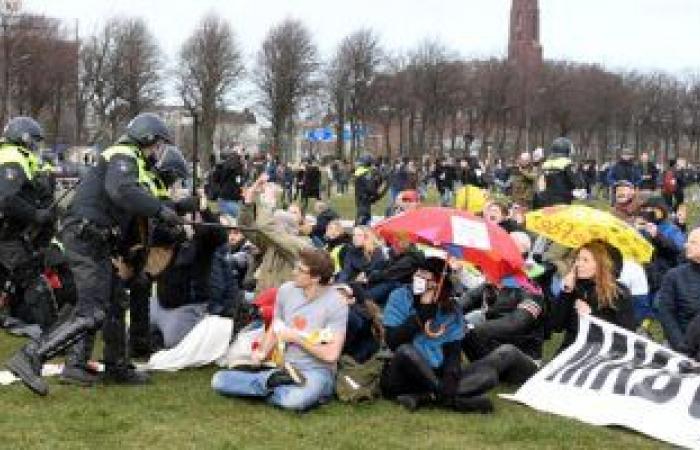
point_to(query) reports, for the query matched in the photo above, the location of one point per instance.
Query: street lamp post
(8, 9)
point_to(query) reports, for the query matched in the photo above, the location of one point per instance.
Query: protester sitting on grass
(506, 328)
(309, 329)
(404, 259)
(668, 241)
(365, 256)
(590, 287)
(678, 300)
(338, 244)
(275, 234)
(424, 327)
(324, 215)
(183, 289)
(231, 271)
(364, 330)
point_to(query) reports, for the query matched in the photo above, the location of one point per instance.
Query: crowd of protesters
(340, 293)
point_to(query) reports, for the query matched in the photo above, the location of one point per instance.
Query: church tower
(524, 49)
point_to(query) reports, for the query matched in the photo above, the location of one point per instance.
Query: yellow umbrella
(471, 198)
(575, 225)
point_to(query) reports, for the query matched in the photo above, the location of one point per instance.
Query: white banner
(470, 233)
(611, 376)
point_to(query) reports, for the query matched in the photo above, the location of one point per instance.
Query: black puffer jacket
(187, 280)
(400, 267)
(513, 316)
(678, 302)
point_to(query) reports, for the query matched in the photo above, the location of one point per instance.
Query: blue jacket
(399, 309)
(668, 252)
(624, 170)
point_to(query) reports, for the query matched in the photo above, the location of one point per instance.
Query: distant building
(235, 129)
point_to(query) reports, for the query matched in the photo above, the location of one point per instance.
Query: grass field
(179, 410)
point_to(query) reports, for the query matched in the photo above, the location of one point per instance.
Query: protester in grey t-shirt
(309, 328)
(313, 319)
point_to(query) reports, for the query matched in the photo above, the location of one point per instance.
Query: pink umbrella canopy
(461, 234)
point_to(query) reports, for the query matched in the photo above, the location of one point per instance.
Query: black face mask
(151, 160)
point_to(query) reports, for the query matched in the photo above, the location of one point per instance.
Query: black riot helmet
(562, 146)
(146, 129)
(172, 165)
(24, 131)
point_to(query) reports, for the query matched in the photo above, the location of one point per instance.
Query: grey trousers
(175, 323)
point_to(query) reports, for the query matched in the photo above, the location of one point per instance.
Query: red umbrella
(462, 234)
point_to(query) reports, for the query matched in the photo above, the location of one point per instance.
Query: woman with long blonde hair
(591, 287)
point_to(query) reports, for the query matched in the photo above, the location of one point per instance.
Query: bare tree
(337, 83)
(120, 74)
(360, 56)
(40, 71)
(284, 73)
(209, 69)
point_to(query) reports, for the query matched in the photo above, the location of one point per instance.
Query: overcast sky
(620, 34)
(644, 34)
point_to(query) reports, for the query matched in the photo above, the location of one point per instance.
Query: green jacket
(280, 250)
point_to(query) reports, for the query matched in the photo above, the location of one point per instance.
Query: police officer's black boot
(118, 368)
(76, 370)
(139, 329)
(26, 363)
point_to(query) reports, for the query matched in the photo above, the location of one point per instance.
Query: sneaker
(288, 375)
(78, 376)
(294, 373)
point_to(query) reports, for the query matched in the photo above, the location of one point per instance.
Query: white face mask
(420, 285)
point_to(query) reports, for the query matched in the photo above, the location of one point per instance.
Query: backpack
(357, 382)
(669, 184)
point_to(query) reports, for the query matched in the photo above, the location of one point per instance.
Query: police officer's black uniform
(23, 205)
(560, 178)
(110, 197)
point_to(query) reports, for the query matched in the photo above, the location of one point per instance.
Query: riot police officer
(170, 168)
(109, 199)
(558, 177)
(24, 214)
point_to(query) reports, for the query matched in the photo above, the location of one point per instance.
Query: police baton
(218, 225)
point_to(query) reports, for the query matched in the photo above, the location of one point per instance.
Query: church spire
(524, 49)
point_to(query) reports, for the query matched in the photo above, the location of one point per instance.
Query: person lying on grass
(308, 330)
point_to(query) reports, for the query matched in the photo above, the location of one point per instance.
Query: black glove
(169, 216)
(43, 216)
(189, 204)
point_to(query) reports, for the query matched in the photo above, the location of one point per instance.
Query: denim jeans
(229, 207)
(317, 388)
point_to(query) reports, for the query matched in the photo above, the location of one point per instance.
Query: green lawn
(179, 410)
